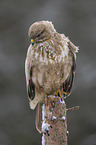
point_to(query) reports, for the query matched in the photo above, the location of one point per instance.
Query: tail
(38, 120)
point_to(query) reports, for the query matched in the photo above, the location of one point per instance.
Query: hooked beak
(32, 40)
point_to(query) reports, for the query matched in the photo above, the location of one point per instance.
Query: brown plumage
(50, 63)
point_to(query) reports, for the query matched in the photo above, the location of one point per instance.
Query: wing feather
(67, 85)
(31, 90)
(28, 72)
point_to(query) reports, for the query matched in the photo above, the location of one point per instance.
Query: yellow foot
(59, 92)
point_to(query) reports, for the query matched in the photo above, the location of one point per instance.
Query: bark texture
(56, 117)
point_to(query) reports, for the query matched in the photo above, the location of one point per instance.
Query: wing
(28, 73)
(67, 85)
(31, 87)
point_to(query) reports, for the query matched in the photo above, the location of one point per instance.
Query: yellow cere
(32, 40)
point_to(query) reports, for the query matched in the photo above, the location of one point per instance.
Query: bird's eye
(32, 43)
(39, 35)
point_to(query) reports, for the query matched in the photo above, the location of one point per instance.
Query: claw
(59, 92)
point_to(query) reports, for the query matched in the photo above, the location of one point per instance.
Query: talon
(59, 92)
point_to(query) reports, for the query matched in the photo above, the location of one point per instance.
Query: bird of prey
(50, 63)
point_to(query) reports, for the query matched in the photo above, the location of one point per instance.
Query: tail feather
(38, 120)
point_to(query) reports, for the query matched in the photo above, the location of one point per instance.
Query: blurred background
(77, 20)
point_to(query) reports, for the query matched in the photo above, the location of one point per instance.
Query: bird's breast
(51, 67)
(46, 53)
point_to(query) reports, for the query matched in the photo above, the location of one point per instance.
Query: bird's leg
(59, 92)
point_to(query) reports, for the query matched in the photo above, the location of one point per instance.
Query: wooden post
(54, 121)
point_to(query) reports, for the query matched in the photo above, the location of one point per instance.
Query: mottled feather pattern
(49, 66)
(51, 61)
(49, 52)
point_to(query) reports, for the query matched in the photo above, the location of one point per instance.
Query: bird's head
(41, 31)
